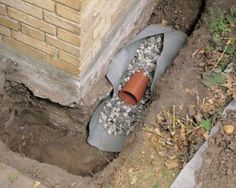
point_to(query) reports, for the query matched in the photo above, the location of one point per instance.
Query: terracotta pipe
(134, 89)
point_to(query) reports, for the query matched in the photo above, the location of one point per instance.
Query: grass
(220, 25)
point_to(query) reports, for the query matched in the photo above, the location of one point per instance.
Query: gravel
(120, 118)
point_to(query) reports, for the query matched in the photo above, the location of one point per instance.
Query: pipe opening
(128, 98)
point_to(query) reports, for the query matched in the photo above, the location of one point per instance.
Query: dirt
(143, 161)
(152, 158)
(42, 130)
(54, 135)
(218, 169)
(182, 15)
(37, 129)
(181, 87)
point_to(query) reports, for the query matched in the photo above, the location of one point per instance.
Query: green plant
(218, 24)
(206, 124)
(13, 176)
(213, 79)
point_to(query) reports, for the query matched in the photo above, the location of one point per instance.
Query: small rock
(229, 129)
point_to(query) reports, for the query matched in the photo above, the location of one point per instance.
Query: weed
(218, 24)
(13, 177)
(213, 79)
(224, 46)
(206, 124)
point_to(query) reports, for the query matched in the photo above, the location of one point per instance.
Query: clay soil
(152, 157)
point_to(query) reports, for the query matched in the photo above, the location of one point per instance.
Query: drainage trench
(48, 132)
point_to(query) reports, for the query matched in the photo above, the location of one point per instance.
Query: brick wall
(70, 34)
(45, 30)
(99, 18)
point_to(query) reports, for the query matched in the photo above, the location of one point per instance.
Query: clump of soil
(219, 164)
(39, 129)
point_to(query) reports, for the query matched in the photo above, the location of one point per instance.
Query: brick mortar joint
(38, 6)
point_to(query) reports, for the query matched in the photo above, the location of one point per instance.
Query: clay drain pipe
(134, 89)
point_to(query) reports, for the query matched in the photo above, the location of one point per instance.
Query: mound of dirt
(219, 164)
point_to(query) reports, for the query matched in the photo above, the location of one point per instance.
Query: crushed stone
(120, 118)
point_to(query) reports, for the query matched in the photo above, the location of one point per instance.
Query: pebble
(120, 118)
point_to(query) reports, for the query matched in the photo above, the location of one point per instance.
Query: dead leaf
(205, 135)
(210, 101)
(229, 129)
(36, 184)
(172, 157)
(164, 22)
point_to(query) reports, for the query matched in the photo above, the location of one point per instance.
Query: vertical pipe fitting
(134, 89)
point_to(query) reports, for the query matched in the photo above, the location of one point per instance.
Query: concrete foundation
(46, 81)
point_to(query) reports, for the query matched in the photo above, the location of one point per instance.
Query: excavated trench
(50, 133)
(47, 132)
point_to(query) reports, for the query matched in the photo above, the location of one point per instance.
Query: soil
(219, 164)
(142, 162)
(37, 129)
(41, 130)
(144, 159)
(182, 15)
